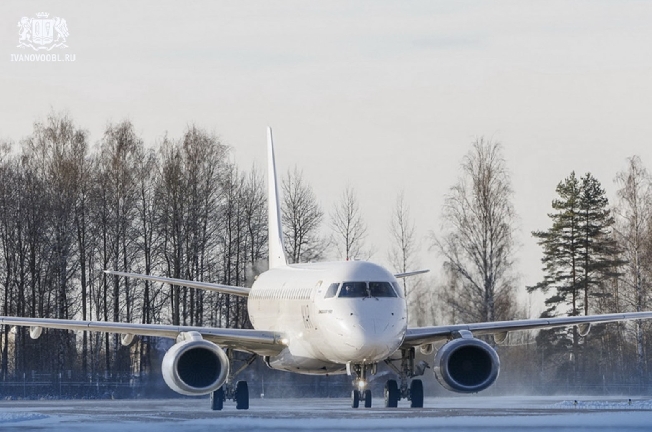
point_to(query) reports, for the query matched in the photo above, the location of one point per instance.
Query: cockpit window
(353, 289)
(399, 289)
(332, 290)
(381, 289)
(362, 289)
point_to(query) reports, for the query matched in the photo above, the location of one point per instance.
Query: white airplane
(322, 318)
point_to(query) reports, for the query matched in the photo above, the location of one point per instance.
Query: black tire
(391, 394)
(355, 399)
(217, 399)
(416, 394)
(367, 398)
(241, 395)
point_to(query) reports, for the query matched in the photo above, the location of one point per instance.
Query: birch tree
(477, 240)
(634, 234)
(302, 218)
(57, 150)
(348, 226)
(121, 150)
(403, 258)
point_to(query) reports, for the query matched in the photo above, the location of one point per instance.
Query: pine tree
(600, 253)
(561, 247)
(579, 256)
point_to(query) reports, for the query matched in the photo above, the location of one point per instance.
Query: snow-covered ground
(569, 413)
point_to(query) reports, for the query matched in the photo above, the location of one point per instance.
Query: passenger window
(381, 289)
(353, 289)
(332, 290)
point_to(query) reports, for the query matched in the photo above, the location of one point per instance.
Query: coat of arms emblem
(42, 33)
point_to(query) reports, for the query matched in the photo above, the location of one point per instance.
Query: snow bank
(19, 417)
(604, 405)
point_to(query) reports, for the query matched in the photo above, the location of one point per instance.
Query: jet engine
(195, 366)
(466, 365)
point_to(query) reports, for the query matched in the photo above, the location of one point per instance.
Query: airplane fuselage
(327, 316)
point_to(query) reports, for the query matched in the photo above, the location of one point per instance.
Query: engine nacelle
(195, 367)
(466, 365)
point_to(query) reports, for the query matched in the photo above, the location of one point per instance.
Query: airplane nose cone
(368, 341)
(364, 330)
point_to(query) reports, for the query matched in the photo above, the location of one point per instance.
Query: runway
(452, 413)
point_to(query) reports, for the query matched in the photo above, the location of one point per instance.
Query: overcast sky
(381, 95)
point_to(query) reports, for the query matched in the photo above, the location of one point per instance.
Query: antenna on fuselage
(275, 231)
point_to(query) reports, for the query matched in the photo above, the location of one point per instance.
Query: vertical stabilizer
(276, 251)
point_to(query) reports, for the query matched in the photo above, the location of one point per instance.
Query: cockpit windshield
(364, 289)
(381, 289)
(354, 289)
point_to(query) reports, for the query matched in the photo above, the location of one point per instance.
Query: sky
(383, 96)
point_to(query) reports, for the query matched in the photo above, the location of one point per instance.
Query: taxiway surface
(452, 413)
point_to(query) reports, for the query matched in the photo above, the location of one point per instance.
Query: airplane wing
(227, 289)
(499, 329)
(411, 273)
(254, 341)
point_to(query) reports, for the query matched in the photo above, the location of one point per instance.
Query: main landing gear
(238, 392)
(408, 370)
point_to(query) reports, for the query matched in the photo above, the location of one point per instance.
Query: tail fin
(276, 251)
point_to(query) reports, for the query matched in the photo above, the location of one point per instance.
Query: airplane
(322, 318)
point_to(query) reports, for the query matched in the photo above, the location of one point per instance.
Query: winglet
(276, 251)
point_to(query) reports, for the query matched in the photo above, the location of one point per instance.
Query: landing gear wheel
(355, 399)
(241, 395)
(391, 394)
(416, 394)
(367, 398)
(217, 399)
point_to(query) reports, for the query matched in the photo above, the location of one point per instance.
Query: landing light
(362, 384)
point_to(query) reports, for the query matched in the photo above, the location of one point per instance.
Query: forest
(70, 209)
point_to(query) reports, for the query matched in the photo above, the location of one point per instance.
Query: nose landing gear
(360, 391)
(409, 388)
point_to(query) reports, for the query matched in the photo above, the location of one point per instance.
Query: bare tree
(402, 257)
(57, 150)
(634, 235)
(238, 196)
(477, 242)
(302, 218)
(346, 221)
(82, 222)
(188, 198)
(148, 245)
(9, 215)
(255, 204)
(121, 150)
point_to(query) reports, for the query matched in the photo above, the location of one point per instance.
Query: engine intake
(195, 367)
(466, 365)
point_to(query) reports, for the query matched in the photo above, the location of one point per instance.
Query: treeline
(69, 210)
(597, 258)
